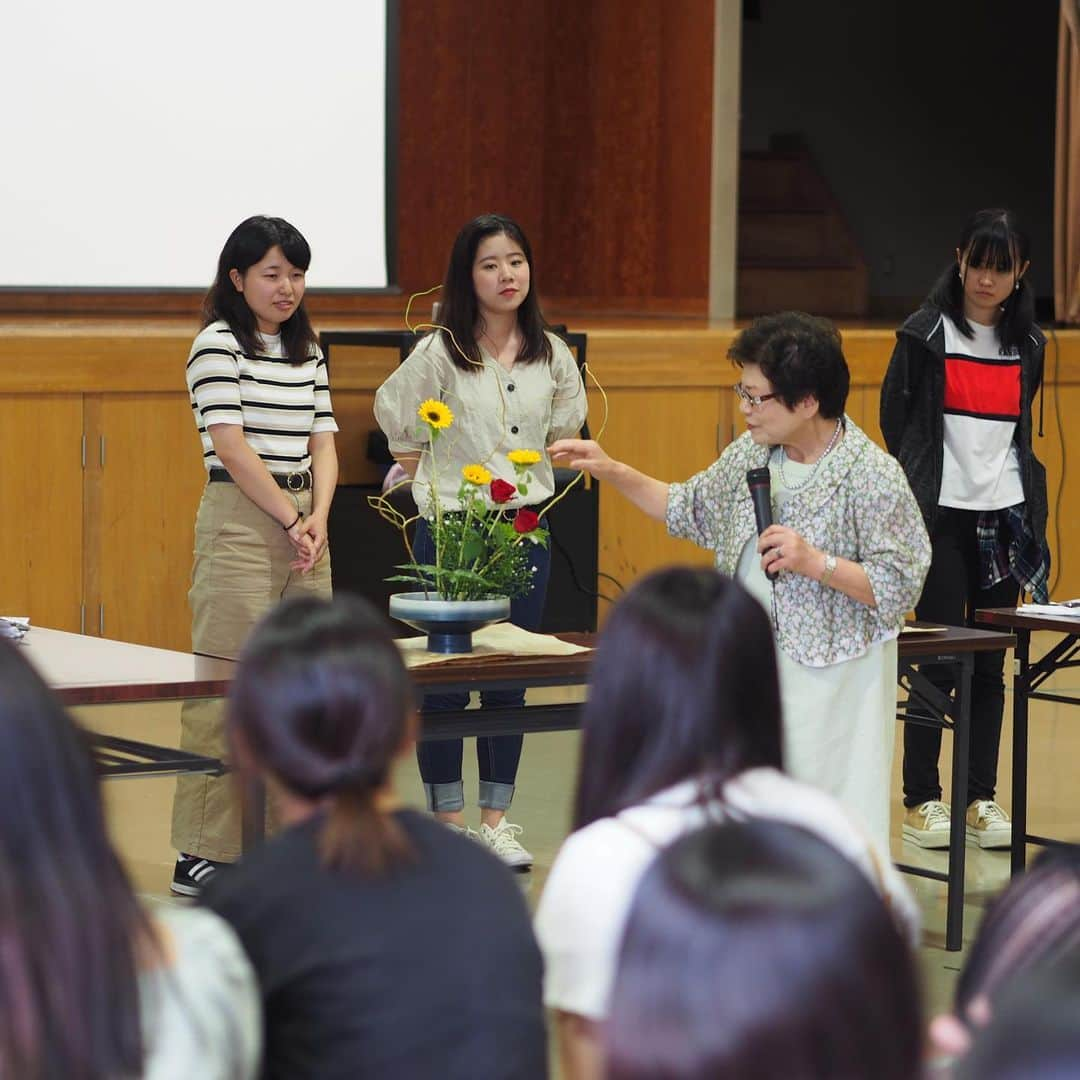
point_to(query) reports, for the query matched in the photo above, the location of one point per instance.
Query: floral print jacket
(859, 507)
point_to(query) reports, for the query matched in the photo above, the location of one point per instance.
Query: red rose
(526, 520)
(501, 491)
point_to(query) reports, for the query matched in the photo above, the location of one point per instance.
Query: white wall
(136, 135)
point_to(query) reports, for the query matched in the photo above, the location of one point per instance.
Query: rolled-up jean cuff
(495, 796)
(445, 798)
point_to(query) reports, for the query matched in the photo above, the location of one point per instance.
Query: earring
(1016, 287)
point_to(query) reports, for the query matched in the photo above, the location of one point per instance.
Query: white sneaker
(503, 842)
(463, 830)
(928, 824)
(988, 825)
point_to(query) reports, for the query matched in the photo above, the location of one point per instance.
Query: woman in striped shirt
(261, 402)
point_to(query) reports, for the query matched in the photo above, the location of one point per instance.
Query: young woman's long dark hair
(459, 311)
(683, 684)
(322, 702)
(247, 244)
(990, 238)
(756, 949)
(1033, 923)
(70, 927)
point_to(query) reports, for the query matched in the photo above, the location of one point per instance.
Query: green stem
(439, 582)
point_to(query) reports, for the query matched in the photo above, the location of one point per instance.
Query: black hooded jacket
(912, 413)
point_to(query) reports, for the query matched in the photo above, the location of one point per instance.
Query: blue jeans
(497, 756)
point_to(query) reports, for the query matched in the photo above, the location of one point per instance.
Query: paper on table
(1068, 608)
(502, 639)
(908, 629)
(14, 626)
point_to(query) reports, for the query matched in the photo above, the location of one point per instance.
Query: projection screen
(137, 135)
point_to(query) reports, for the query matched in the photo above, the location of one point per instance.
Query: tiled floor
(139, 812)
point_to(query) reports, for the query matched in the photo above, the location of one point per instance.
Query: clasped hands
(308, 537)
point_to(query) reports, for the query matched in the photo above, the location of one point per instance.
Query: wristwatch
(830, 569)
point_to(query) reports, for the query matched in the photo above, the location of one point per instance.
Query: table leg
(1018, 854)
(954, 902)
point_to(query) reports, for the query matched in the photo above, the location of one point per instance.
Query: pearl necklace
(817, 464)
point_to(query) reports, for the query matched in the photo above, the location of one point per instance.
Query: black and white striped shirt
(280, 405)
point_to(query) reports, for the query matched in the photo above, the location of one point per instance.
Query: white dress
(840, 720)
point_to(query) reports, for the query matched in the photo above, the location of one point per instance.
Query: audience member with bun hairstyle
(681, 727)
(385, 944)
(755, 949)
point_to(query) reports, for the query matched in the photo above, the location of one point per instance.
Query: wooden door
(144, 477)
(41, 493)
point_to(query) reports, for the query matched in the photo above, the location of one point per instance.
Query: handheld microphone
(760, 484)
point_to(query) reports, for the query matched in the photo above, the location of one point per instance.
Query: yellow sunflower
(476, 474)
(435, 414)
(524, 457)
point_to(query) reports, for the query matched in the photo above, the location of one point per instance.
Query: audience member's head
(322, 706)
(1034, 1033)
(1032, 924)
(70, 926)
(683, 685)
(755, 949)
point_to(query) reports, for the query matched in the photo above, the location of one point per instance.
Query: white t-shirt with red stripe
(981, 467)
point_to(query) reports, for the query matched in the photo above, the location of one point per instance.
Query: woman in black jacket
(956, 413)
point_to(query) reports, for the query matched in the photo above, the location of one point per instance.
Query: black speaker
(365, 549)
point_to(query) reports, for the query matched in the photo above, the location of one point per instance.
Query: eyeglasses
(755, 401)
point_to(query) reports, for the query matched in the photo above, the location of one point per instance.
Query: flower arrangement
(480, 549)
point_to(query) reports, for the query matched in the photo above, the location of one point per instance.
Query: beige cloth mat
(502, 639)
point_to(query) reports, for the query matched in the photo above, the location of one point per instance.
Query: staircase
(795, 248)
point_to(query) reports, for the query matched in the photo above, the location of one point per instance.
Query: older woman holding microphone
(838, 569)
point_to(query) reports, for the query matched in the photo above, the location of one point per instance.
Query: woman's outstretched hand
(645, 492)
(583, 454)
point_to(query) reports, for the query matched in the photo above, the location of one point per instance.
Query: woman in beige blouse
(511, 385)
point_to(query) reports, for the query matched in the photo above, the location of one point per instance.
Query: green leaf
(472, 549)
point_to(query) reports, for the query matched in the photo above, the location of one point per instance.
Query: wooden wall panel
(590, 122)
(1059, 451)
(142, 493)
(471, 116)
(627, 137)
(640, 432)
(670, 412)
(41, 490)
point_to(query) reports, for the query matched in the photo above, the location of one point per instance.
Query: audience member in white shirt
(682, 727)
